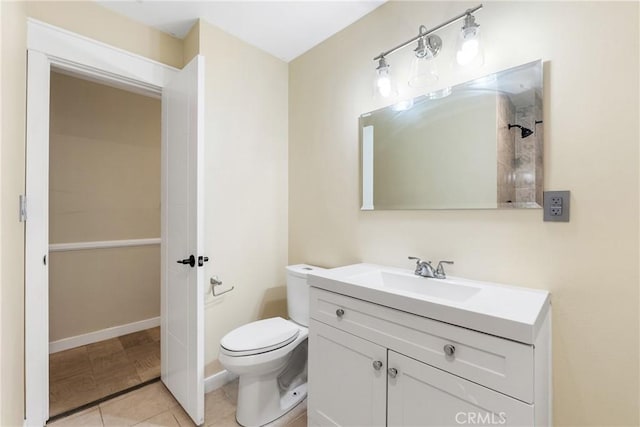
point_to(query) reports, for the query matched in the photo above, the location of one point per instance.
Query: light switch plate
(556, 205)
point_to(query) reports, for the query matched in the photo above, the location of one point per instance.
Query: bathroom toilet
(270, 357)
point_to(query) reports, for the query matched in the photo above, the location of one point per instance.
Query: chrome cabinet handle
(340, 312)
(449, 350)
(393, 372)
(377, 365)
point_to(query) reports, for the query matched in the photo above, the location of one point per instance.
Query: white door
(182, 296)
(347, 379)
(421, 395)
(36, 273)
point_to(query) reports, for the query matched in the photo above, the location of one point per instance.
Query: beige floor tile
(230, 390)
(104, 348)
(134, 339)
(88, 418)
(108, 364)
(137, 406)
(154, 333)
(146, 360)
(217, 407)
(111, 367)
(300, 421)
(68, 363)
(164, 419)
(228, 421)
(182, 417)
(126, 377)
(72, 392)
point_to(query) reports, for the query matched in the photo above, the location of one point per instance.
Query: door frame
(50, 47)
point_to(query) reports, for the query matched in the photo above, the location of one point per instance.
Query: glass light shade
(469, 51)
(423, 72)
(385, 86)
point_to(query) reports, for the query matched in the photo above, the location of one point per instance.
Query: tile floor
(84, 374)
(153, 405)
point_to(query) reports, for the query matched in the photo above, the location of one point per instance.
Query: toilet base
(261, 402)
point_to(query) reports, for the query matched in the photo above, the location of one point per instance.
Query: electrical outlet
(555, 211)
(556, 205)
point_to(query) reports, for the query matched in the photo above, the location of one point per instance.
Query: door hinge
(23, 208)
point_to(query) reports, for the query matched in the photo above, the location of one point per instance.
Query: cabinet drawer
(502, 365)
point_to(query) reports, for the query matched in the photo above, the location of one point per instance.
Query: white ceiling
(285, 29)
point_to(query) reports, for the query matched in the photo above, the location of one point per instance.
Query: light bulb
(469, 49)
(384, 85)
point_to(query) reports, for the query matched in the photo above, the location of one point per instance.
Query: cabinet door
(421, 395)
(346, 386)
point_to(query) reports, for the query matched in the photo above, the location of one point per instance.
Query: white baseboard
(103, 334)
(217, 380)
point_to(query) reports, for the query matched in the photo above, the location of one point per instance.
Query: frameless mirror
(476, 145)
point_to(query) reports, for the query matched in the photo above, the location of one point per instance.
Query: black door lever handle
(191, 261)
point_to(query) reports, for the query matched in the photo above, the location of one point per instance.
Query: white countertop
(506, 311)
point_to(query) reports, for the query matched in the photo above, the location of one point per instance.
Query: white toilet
(270, 357)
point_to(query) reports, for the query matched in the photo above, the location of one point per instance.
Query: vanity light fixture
(423, 70)
(469, 52)
(385, 85)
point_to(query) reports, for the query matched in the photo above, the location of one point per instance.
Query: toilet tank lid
(260, 335)
(301, 270)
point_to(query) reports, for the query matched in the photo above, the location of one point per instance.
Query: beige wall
(591, 148)
(245, 183)
(94, 21)
(12, 125)
(104, 184)
(423, 158)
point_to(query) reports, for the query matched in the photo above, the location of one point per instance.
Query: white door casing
(182, 311)
(51, 47)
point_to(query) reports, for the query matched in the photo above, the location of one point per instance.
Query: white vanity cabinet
(372, 365)
(347, 389)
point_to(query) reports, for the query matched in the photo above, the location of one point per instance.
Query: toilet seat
(259, 337)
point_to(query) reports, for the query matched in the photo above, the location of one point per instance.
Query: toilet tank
(298, 292)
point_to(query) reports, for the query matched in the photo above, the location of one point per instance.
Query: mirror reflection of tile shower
(477, 147)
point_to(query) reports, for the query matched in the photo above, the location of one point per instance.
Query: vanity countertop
(506, 311)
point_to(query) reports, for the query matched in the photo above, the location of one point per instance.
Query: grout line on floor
(101, 400)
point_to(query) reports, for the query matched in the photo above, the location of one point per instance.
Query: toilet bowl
(270, 357)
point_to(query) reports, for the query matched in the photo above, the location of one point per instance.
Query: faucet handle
(416, 259)
(440, 274)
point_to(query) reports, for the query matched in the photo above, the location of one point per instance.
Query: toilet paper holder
(215, 282)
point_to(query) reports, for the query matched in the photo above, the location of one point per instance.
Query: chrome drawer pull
(449, 350)
(377, 365)
(340, 312)
(393, 372)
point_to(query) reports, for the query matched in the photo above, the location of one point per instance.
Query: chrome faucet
(440, 274)
(423, 268)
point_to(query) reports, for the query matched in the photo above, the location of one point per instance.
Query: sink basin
(506, 311)
(437, 288)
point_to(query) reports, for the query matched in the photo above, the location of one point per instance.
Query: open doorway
(104, 241)
(182, 288)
